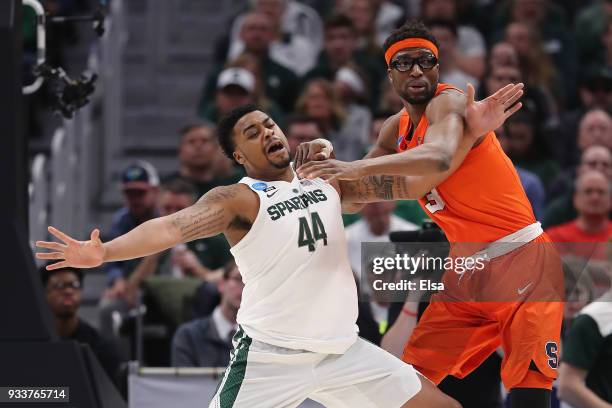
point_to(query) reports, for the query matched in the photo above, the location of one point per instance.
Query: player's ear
(389, 75)
(238, 157)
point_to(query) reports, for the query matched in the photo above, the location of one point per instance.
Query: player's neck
(415, 112)
(285, 174)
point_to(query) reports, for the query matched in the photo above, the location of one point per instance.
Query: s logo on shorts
(552, 351)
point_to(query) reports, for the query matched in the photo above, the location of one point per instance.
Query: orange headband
(410, 43)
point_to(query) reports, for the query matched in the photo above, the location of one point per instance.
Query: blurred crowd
(317, 68)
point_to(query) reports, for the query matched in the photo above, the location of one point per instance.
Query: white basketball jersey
(299, 289)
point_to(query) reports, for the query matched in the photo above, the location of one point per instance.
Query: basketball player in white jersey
(297, 336)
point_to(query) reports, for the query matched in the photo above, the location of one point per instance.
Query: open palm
(490, 113)
(72, 253)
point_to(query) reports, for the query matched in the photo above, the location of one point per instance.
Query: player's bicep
(209, 216)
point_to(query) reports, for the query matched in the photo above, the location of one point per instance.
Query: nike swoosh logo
(271, 194)
(522, 290)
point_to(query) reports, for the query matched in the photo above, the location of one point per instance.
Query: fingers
(50, 255)
(57, 265)
(51, 245)
(470, 93)
(297, 161)
(510, 90)
(59, 234)
(512, 110)
(95, 235)
(513, 99)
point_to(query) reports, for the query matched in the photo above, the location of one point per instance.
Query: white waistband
(510, 242)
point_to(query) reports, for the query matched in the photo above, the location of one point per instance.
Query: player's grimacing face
(417, 84)
(260, 143)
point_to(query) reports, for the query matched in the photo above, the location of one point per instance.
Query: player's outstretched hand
(490, 113)
(318, 149)
(72, 253)
(330, 170)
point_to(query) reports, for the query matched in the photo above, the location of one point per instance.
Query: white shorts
(264, 376)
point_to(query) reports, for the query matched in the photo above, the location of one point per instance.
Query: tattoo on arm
(375, 188)
(206, 217)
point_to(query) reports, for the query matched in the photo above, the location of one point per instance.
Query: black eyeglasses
(63, 285)
(405, 63)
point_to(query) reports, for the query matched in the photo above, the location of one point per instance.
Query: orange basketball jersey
(483, 200)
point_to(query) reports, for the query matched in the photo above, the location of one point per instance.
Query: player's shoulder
(450, 99)
(392, 123)
(232, 193)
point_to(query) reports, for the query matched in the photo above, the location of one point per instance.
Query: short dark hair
(444, 23)
(298, 119)
(225, 130)
(338, 21)
(45, 274)
(179, 186)
(411, 29)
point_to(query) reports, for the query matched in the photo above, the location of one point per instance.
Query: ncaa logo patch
(552, 352)
(259, 186)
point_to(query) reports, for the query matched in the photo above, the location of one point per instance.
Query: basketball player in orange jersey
(475, 198)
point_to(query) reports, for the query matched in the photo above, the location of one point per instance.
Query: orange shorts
(464, 324)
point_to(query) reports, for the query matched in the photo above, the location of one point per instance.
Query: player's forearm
(428, 158)
(376, 188)
(396, 337)
(425, 159)
(148, 238)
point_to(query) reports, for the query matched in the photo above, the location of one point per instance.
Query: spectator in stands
(594, 157)
(534, 62)
(281, 84)
(350, 86)
(548, 33)
(207, 342)
(605, 57)
(595, 92)
(533, 99)
(235, 87)
(389, 16)
(340, 50)
(200, 161)
(524, 143)
(590, 25)
(374, 226)
(301, 129)
(593, 203)
(595, 129)
(445, 32)
(294, 52)
(578, 291)
(202, 259)
(470, 52)
(503, 54)
(296, 20)
(63, 290)
(140, 185)
(389, 100)
(530, 181)
(348, 129)
(585, 375)
(562, 210)
(363, 15)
